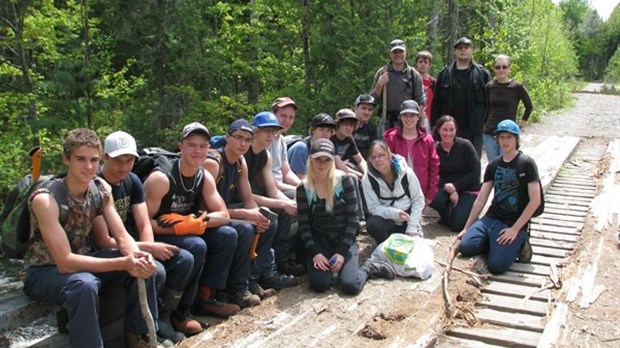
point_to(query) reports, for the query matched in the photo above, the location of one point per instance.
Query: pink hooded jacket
(424, 155)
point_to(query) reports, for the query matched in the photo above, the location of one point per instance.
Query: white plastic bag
(410, 256)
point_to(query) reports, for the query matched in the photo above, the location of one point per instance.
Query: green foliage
(612, 73)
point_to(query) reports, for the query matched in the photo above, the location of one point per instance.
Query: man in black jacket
(459, 92)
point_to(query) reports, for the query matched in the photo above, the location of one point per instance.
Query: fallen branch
(473, 274)
(146, 312)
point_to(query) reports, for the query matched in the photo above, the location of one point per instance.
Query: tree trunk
(86, 64)
(305, 38)
(453, 27)
(253, 83)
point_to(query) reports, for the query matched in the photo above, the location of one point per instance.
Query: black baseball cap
(463, 41)
(195, 127)
(365, 99)
(323, 119)
(322, 147)
(240, 124)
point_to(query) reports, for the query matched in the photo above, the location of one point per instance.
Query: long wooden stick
(146, 313)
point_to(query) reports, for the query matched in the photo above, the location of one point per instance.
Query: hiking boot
(135, 340)
(378, 269)
(211, 302)
(277, 281)
(244, 298)
(183, 322)
(293, 269)
(526, 252)
(362, 229)
(260, 292)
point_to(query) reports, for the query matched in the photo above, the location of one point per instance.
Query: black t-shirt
(227, 184)
(125, 194)
(364, 136)
(510, 198)
(345, 148)
(255, 162)
(458, 104)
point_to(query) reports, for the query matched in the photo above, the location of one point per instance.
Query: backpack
(217, 156)
(290, 140)
(375, 187)
(152, 158)
(217, 142)
(15, 217)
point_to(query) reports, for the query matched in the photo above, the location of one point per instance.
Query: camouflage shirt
(81, 214)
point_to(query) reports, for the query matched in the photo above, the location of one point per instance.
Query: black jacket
(478, 78)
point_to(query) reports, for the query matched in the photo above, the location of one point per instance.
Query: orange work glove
(184, 224)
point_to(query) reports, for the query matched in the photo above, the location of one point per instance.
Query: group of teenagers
(212, 233)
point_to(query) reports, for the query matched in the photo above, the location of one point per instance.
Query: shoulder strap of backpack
(404, 181)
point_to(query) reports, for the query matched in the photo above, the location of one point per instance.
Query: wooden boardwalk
(515, 307)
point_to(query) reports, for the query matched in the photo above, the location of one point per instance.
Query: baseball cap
(365, 99)
(322, 147)
(509, 126)
(409, 107)
(343, 114)
(463, 41)
(322, 119)
(266, 119)
(397, 45)
(240, 124)
(193, 128)
(282, 102)
(120, 143)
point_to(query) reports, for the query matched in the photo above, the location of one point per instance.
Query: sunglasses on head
(501, 67)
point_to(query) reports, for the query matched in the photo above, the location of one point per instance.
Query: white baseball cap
(120, 143)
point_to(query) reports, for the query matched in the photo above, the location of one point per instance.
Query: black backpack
(152, 158)
(15, 217)
(375, 187)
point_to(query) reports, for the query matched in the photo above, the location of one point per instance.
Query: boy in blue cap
(502, 232)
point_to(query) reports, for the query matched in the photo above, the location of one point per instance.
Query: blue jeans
(350, 277)
(195, 246)
(491, 147)
(228, 259)
(481, 238)
(79, 293)
(281, 241)
(454, 217)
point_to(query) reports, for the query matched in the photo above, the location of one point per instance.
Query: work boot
(135, 340)
(378, 269)
(243, 298)
(258, 290)
(183, 322)
(290, 268)
(170, 300)
(526, 252)
(211, 302)
(277, 281)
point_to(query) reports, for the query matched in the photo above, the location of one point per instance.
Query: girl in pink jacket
(413, 142)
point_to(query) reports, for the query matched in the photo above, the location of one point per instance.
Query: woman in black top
(459, 175)
(328, 222)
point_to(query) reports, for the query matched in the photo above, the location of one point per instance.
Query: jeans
(228, 259)
(281, 241)
(350, 277)
(79, 293)
(380, 229)
(452, 216)
(195, 246)
(481, 238)
(491, 147)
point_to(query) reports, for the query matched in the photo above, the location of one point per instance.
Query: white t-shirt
(278, 156)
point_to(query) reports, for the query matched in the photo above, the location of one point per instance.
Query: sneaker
(260, 292)
(183, 322)
(135, 340)
(294, 269)
(244, 298)
(210, 301)
(164, 342)
(277, 281)
(362, 228)
(525, 255)
(378, 269)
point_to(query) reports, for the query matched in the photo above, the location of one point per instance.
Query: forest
(151, 66)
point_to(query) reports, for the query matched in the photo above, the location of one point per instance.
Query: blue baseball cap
(266, 119)
(508, 126)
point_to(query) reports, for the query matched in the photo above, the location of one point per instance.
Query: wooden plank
(546, 260)
(511, 320)
(547, 226)
(539, 250)
(571, 193)
(559, 210)
(113, 336)
(558, 189)
(551, 243)
(513, 304)
(499, 336)
(563, 200)
(554, 327)
(514, 290)
(451, 342)
(18, 310)
(548, 217)
(563, 237)
(567, 206)
(530, 269)
(520, 278)
(578, 184)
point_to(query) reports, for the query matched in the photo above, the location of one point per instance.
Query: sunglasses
(501, 67)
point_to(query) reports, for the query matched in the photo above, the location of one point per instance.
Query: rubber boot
(170, 299)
